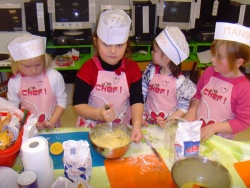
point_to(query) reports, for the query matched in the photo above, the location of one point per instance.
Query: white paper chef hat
(232, 32)
(114, 26)
(173, 43)
(27, 46)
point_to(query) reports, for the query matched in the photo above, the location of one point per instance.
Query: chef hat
(173, 43)
(232, 32)
(27, 46)
(114, 26)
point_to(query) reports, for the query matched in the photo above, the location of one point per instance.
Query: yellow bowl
(109, 153)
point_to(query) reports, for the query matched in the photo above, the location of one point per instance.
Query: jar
(171, 126)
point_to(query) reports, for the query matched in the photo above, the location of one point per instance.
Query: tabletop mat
(139, 171)
(97, 160)
(243, 170)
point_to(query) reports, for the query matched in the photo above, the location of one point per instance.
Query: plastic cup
(27, 179)
(169, 136)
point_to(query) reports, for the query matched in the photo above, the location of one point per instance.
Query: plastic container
(169, 136)
(64, 60)
(27, 179)
(8, 156)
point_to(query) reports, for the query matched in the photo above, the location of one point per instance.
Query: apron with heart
(215, 104)
(36, 95)
(161, 98)
(111, 87)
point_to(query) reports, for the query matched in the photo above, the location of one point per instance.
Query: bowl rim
(91, 141)
(109, 123)
(203, 159)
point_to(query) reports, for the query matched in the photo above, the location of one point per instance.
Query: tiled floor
(69, 119)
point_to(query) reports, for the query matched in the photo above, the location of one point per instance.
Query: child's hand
(39, 126)
(207, 132)
(144, 122)
(48, 124)
(108, 113)
(160, 121)
(136, 134)
(45, 124)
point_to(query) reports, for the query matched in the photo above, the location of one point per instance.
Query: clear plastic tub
(169, 136)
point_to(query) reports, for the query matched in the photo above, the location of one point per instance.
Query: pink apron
(161, 99)
(110, 88)
(36, 95)
(215, 104)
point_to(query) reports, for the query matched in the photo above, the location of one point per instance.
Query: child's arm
(177, 113)
(58, 85)
(137, 111)
(161, 121)
(212, 129)
(191, 114)
(146, 78)
(185, 90)
(50, 123)
(89, 112)
(13, 88)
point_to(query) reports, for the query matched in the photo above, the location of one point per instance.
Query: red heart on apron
(41, 118)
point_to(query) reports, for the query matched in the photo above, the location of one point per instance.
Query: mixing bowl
(199, 170)
(108, 128)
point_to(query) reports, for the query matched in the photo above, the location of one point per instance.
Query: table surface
(215, 148)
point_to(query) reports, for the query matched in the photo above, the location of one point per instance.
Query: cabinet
(86, 52)
(139, 57)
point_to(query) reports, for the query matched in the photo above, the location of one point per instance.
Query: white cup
(27, 179)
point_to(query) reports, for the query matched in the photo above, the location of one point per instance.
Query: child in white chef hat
(108, 86)
(34, 86)
(167, 92)
(222, 100)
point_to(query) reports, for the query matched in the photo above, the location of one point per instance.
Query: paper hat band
(27, 46)
(178, 56)
(114, 26)
(173, 43)
(232, 32)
